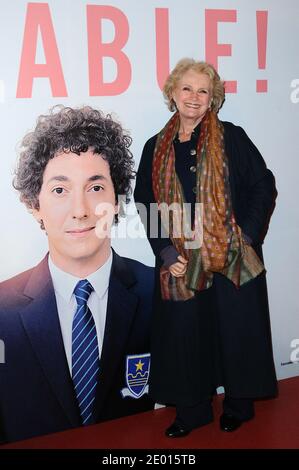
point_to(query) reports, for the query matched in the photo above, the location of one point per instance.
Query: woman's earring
(41, 223)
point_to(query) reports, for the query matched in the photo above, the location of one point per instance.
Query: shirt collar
(65, 283)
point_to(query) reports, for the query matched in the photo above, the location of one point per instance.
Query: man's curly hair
(73, 130)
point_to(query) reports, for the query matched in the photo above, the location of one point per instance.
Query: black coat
(222, 336)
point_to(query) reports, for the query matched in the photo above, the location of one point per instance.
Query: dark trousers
(241, 408)
(194, 416)
(202, 413)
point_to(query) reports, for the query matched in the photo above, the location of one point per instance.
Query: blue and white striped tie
(85, 352)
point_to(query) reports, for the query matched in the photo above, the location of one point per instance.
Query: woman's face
(193, 95)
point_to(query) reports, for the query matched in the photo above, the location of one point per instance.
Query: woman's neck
(186, 128)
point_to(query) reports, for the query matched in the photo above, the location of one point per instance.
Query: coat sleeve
(146, 204)
(253, 185)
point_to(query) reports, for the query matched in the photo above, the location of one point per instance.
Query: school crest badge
(137, 373)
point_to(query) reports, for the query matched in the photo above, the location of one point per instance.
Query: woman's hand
(179, 268)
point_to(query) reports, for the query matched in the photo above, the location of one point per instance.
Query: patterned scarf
(217, 240)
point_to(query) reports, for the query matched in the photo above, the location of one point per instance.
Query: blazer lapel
(121, 309)
(41, 322)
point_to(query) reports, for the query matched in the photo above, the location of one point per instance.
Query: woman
(211, 324)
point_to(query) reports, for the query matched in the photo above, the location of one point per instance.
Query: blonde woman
(211, 324)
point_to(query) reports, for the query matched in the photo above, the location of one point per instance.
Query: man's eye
(96, 188)
(185, 88)
(58, 190)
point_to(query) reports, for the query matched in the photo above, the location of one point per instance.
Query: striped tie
(85, 353)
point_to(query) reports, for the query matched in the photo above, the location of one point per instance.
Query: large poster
(115, 56)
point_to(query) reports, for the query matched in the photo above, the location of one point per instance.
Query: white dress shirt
(64, 285)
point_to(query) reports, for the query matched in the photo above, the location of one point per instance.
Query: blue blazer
(36, 390)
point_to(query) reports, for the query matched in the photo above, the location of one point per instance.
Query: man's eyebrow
(97, 177)
(65, 178)
(58, 178)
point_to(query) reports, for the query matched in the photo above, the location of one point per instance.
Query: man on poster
(76, 326)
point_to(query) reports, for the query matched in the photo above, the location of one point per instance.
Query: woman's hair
(73, 130)
(180, 69)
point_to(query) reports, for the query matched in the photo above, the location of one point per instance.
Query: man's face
(73, 186)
